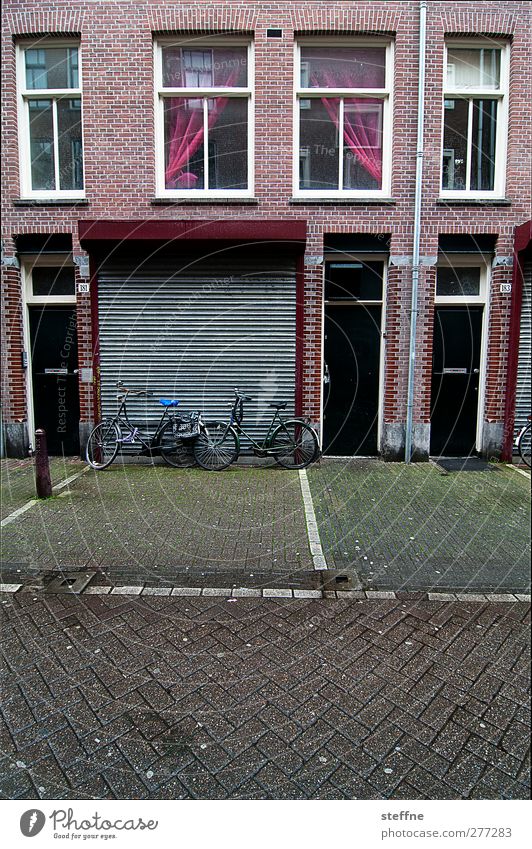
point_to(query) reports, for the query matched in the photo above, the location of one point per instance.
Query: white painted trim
(501, 95)
(519, 471)
(386, 94)
(29, 300)
(483, 300)
(160, 93)
(24, 95)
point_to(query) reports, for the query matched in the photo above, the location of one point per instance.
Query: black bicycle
(293, 443)
(523, 443)
(169, 440)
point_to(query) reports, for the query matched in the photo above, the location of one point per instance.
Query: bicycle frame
(264, 447)
(148, 442)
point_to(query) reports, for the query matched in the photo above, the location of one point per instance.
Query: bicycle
(523, 441)
(293, 443)
(111, 434)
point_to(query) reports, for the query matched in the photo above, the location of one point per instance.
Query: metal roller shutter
(196, 333)
(522, 398)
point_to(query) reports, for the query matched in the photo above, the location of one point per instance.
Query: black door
(54, 349)
(455, 380)
(352, 357)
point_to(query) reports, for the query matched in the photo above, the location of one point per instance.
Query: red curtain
(186, 132)
(362, 127)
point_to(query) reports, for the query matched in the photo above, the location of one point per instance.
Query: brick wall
(116, 43)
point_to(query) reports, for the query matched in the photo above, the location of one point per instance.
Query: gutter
(417, 231)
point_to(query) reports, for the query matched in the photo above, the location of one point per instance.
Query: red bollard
(43, 482)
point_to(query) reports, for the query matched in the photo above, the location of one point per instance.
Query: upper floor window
(343, 118)
(51, 140)
(474, 119)
(204, 118)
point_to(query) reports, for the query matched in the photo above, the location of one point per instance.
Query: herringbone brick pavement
(117, 698)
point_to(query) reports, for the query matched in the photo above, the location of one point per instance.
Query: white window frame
(24, 95)
(386, 94)
(28, 263)
(161, 93)
(499, 94)
(482, 299)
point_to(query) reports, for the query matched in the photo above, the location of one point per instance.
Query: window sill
(51, 202)
(344, 201)
(443, 201)
(206, 200)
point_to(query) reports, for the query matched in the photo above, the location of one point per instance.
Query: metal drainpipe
(417, 230)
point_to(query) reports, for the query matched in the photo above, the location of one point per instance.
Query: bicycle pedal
(259, 452)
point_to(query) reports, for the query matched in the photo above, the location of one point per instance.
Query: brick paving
(142, 520)
(17, 480)
(414, 528)
(114, 697)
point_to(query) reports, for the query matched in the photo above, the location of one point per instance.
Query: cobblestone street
(115, 698)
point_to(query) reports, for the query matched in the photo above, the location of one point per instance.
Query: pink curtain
(185, 134)
(362, 129)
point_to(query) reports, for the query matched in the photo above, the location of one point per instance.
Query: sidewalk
(387, 526)
(120, 698)
(413, 528)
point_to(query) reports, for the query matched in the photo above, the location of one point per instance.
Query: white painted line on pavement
(9, 588)
(318, 557)
(519, 471)
(27, 506)
(66, 482)
(16, 513)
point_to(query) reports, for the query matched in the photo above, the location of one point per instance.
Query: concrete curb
(286, 593)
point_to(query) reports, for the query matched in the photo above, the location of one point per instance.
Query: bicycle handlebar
(242, 397)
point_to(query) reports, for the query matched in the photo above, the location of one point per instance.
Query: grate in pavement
(69, 582)
(464, 464)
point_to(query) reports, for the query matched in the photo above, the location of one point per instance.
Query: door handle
(326, 376)
(476, 371)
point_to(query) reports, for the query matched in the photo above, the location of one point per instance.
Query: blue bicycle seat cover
(167, 402)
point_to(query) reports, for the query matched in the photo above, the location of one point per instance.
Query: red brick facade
(118, 94)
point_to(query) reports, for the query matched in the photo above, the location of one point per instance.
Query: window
(50, 279)
(474, 119)
(204, 95)
(459, 281)
(343, 118)
(50, 120)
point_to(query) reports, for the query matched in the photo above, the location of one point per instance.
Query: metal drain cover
(69, 582)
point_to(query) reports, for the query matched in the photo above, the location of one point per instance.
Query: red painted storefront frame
(522, 241)
(98, 235)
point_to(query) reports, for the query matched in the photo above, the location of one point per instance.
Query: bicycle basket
(187, 426)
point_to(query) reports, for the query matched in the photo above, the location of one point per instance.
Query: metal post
(43, 483)
(417, 233)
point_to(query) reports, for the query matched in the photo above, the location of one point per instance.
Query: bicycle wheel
(102, 445)
(216, 447)
(177, 452)
(524, 445)
(294, 444)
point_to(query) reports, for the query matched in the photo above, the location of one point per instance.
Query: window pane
(483, 145)
(196, 67)
(362, 143)
(343, 67)
(454, 164)
(318, 157)
(48, 280)
(458, 281)
(360, 281)
(70, 145)
(41, 144)
(228, 143)
(52, 67)
(183, 143)
(473, 68)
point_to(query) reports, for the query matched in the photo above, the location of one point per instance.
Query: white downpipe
(417, 230)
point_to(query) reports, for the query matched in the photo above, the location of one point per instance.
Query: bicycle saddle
(279, 405)
(167, 402)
